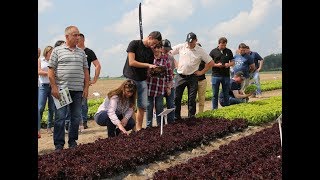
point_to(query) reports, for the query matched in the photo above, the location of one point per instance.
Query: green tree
(272, 62)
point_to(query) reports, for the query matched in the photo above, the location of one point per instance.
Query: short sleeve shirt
(142, 54)
(189, 59)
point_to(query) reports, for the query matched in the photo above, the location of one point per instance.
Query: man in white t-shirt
(190, 56)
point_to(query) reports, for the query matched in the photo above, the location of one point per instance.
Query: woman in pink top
(117, 108)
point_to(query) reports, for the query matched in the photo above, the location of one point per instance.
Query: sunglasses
(130, 84)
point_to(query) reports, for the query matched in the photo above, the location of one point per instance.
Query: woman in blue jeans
(45, 90)
(117, 108)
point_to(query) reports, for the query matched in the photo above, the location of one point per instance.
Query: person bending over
(236, 95)
(116, 110)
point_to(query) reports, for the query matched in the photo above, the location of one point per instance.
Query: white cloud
(43, 5)
(278, 34)
(253, 44)
(112, 60)
(208, 3)
(117, 49)
(154, 14)
(56, 38)
(245, 21)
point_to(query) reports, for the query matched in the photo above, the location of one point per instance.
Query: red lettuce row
(107, 157)
(250, 157)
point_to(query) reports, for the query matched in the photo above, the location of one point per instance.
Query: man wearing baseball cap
(190, 56)
(236, 95)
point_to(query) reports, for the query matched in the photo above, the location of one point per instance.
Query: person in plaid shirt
(159, 82)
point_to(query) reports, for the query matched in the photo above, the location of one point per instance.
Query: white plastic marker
(96, 94)
(164, 113)
(280, 129)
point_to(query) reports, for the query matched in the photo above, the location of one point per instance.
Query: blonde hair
(46, 50)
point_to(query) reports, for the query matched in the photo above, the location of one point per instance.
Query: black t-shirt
(142, 54)
(224, 57)
(233, 86)
(91, 56)
(201, 66)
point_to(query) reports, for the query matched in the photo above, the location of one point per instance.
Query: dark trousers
(103, 119)
(191, 82)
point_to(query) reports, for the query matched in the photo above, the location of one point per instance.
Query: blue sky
(109, 26)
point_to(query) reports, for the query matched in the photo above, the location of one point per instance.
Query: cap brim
(167, 48)
(189, 40)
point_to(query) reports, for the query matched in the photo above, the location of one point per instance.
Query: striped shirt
(69, 67)
(157, 85)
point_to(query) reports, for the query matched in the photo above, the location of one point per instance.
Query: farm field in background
(103, 86)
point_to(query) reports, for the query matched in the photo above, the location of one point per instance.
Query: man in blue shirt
(258, 62)
(243, 62)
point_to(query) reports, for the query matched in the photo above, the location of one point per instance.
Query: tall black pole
(140, 22)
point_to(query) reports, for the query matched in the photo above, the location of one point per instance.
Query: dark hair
(248, 47)
(242, 45)
(82, 35)
(59, 42)
(156, 35)
(222, 40)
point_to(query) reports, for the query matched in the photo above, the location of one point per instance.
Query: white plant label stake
(164, 113)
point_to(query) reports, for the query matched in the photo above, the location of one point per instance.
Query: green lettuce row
(93, 104)
(256, 112)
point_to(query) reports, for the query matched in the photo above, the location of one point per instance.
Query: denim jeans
(159, 108)
(256, 80)
(103, 119)
(215, 82)
(44, 94)
(142, 93)
(170, 104)
(74, 110)
(231, 101)
(191, 82)
(84, 110)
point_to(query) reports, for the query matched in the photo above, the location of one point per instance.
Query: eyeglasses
(157, 47)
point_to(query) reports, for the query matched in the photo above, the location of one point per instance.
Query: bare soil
(94, 132)
(45, 143)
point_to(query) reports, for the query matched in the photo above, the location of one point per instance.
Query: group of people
(149, 71)
(66, 65)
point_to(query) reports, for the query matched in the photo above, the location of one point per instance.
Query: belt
(186, 76)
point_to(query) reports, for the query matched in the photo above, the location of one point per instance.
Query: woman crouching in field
(116, 110)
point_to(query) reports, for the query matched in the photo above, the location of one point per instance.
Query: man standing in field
(91, 58)
(68, 68)
(223, 58)
(140, 58)
(190, 58)
(243, 62)
(258, 61)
